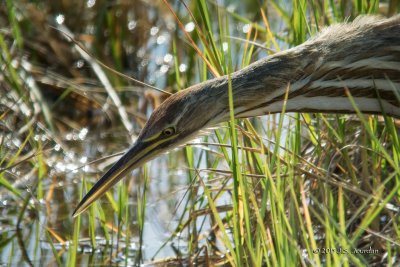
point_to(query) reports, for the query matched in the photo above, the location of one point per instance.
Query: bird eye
(168, 131)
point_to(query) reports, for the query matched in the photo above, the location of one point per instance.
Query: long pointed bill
(137, 155)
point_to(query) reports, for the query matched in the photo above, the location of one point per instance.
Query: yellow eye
(168, 131)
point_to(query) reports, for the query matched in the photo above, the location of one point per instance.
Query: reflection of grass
(272, 192)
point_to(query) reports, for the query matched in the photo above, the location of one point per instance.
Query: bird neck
(345, 68)
(308, 79)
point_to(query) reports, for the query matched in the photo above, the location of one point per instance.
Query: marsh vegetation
(279, 190)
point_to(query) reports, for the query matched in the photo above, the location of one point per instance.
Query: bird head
(177, 120)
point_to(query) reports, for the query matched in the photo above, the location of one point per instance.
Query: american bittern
(361, 58)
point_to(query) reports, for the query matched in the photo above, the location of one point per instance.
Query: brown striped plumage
(361, 58)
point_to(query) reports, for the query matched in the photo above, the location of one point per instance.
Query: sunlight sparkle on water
(246, 28)
(60, 167)
(80, 63)
(70, 155)
(38, 137)
(189, 27)
(154, 30)
(164, 68)
(168, 58)
(90, 3)
(83, 160)
(182, 67)
(161, 39)
(60, 19)
(69, 136)
(225, 46)
(132, 25)
(82, 134)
